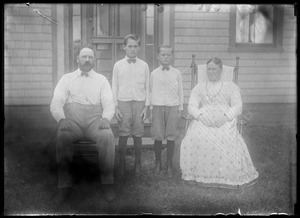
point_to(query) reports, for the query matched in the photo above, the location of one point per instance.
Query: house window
(256, 28)
(108, 17)
(254, 24)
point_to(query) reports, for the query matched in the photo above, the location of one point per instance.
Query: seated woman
(213, 153)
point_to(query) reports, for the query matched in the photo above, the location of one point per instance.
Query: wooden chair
(85, 151)
(229, 74)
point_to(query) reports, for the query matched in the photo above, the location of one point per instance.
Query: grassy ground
(30, 181)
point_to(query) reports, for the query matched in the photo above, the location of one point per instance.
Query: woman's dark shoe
(137, 168)
(169, 170)
(62, 195)
(157, 169)
(108, 192)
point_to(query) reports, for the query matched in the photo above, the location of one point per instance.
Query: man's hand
(64, 125)
(104, 124)
(181, 113)
(144, 113)
(118, 114)
(62, 121)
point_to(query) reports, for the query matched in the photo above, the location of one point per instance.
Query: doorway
(103, 26)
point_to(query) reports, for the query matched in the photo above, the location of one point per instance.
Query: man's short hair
(133, 37)
(85, 46)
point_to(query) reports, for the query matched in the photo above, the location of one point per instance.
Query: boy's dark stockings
(170, 152)
(122, 154)
(137, 142)
(157, 151)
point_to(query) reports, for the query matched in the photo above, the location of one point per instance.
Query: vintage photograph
(150, 109)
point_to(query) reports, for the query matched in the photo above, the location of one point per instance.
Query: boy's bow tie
(166, 68)
(131, 60)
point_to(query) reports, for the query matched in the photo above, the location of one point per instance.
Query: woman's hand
(221, 120)
(206, 120)
(211, 118)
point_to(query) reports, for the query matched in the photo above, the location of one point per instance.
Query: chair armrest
(84, 141)
(244, 118)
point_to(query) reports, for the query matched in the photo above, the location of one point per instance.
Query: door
(108, 24)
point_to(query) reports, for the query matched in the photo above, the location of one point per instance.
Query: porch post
(86, 24)
(60, 45)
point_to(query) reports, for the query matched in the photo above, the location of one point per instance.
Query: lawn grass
(30, 181)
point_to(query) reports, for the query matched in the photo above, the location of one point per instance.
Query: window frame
(247, 47)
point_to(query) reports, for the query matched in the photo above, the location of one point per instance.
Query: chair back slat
(227, 74)
(236, 71)
(194, 72)
(198, 72)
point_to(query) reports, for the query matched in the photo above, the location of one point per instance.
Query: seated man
(83, 106)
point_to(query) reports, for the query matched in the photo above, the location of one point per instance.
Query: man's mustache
(87, 64)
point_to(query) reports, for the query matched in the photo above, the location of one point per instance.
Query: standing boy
(130, 85)
(166, 106)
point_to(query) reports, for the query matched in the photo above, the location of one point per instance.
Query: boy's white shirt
(166, 88)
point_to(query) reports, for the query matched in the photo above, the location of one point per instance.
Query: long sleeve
(147, 86)
(180, 92)
(115, 84)
(194, 102)
(236, 104)
(150, 90)
(107, 101)
(58, 101)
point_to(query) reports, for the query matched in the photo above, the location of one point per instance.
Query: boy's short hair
(164, 46)
(133, 37)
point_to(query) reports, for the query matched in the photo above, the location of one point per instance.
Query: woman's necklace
(213, 97)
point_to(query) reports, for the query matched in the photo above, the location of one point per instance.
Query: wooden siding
(28, 55)
(268, 77)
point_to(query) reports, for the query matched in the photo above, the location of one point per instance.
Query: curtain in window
(254, 24)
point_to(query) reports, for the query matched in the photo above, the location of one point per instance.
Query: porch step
(146, 141)
(147, 130)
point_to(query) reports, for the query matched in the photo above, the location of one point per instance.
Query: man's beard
(86, 67)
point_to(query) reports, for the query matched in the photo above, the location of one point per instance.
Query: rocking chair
(229, 74)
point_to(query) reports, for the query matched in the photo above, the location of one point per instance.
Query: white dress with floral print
(214, 155)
